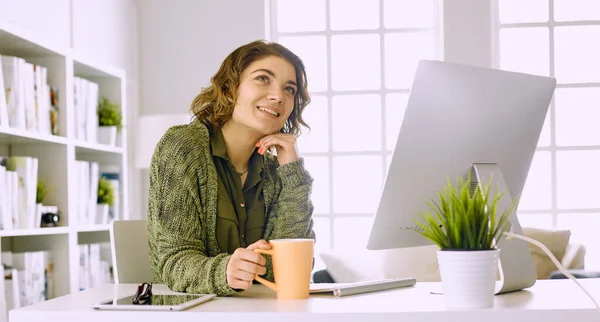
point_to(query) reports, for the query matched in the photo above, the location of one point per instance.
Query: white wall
(106, 31)
(181, 45)
(48, 19)
(467, 32)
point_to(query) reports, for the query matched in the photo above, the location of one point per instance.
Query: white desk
(548, 300)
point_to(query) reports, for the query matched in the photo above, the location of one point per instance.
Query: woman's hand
(285, 144)
(244, 263)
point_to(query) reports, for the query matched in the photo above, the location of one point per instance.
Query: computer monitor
(458, 116)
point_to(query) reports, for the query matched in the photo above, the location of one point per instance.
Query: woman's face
(265, 96)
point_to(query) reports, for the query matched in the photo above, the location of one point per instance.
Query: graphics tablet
(160, 302)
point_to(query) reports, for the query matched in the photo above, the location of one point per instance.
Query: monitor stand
(516, 267)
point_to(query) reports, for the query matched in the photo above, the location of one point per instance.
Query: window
(360, 57)
(559, 38)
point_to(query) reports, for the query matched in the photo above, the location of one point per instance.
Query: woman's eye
(263, 78)
(291, 90)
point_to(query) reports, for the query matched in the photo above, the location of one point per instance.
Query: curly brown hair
(214, 105)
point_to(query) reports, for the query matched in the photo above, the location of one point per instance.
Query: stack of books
(25, 102)
(26, 278)
(18, 189)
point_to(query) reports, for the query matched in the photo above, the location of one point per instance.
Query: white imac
(458, 119)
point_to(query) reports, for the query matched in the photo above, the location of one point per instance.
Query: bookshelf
(58, 154)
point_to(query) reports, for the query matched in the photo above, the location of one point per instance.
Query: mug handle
(261, 280)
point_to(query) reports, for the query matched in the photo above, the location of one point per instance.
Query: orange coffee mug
(292, 265)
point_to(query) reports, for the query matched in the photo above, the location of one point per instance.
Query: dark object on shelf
(50, 219)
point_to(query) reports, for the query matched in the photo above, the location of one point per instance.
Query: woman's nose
(275, 95)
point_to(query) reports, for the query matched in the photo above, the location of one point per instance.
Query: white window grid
(559, 217)
(273, 34)
(552, 148)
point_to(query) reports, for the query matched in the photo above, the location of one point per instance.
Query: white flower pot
(101, 214)
(107, 135)
(468, 278)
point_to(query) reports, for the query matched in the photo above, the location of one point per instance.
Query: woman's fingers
(270, 140)
(262, 244)
(239, 284)
(242, 267)
(285, 144)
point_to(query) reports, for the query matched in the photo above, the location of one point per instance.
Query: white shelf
(18, 136)
(58, 155)
(53, 230)
(35, 232)
(17, 41)
(92, 228)
(89, 147)
(84, 67)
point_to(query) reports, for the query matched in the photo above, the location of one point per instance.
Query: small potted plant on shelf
(465, 225)
(109, 121)
(106, 200)
(46, 216)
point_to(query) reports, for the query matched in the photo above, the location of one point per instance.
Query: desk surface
(547, 300)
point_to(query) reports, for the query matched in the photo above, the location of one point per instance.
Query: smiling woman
(215, 104)
(217, 192)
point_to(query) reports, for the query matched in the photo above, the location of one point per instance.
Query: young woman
(217, 191)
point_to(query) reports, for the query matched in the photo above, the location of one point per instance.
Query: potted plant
(109, 121)
(465, 226)
(106, 199)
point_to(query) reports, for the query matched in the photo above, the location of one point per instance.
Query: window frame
(273, 34)
(559, 216)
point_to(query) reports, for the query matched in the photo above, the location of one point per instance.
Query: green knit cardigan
(182, 217)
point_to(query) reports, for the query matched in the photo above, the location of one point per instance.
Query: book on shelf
(27, 172)
(94, 265)
(3, 106)
(27, 278)
(9, 182)
(14, 85)
(18, 194)
(89, 212)
(18, 178)
(85, 103)
(12, 293)
(25, 101)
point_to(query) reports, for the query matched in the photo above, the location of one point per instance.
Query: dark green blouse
(240, 210)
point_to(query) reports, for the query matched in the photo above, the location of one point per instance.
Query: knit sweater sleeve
(178, 256)
(293, 207)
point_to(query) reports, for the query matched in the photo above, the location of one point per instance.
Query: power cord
(510, 235)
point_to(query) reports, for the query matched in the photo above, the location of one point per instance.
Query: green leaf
(105, 192)
(458, 219)
(41, 192)
(109, 114)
